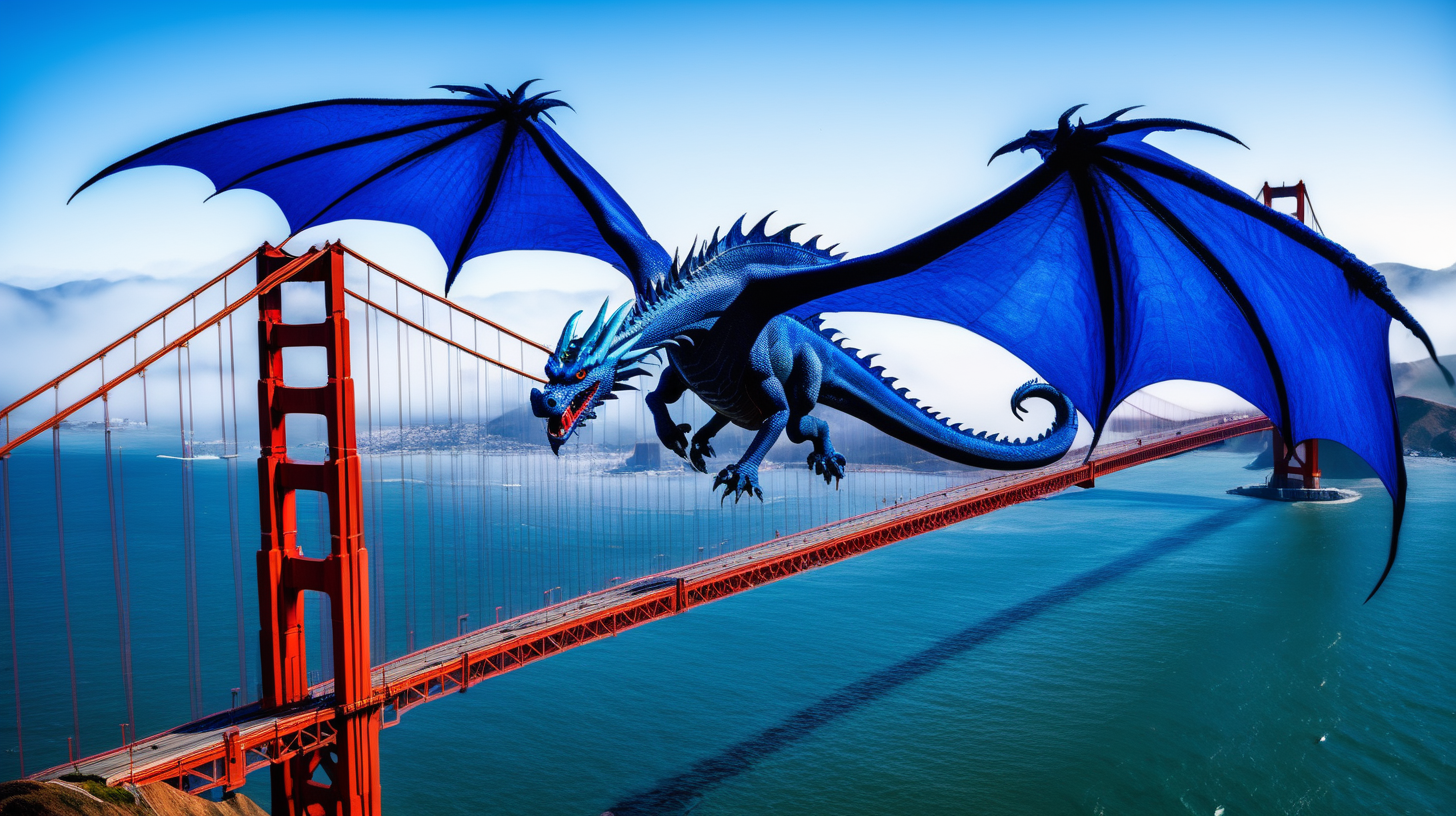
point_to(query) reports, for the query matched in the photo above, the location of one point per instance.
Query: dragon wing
(1113, 266)
(477, 175)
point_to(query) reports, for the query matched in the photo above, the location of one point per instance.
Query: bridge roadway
(220, 750)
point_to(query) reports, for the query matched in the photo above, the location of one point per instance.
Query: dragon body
(767, 378)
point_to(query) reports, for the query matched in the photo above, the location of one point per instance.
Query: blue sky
(869, 123)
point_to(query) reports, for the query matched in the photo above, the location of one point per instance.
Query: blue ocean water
(1152, 645)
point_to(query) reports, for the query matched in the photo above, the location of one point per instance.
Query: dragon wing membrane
(477, 175)
(1113, 266)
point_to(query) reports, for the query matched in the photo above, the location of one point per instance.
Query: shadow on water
(677, 794)
(1122, 495)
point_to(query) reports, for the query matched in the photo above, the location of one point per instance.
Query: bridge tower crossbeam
(351, 761)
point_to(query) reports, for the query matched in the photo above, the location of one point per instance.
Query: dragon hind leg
(742, 476)
(805, 381)
(824, 460)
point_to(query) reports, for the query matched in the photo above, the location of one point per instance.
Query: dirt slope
(26, 798)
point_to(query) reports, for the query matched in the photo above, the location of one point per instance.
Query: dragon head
(584, 371)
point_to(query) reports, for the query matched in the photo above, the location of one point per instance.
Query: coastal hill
(89, 796)
(1420, 378)
(1405, 280)
(1426, 428)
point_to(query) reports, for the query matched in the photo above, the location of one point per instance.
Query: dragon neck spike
(783, 236)
(760, 230)
(567, 335)
(735, 235)
(604, 347)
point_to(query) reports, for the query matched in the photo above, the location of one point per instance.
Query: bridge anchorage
(1296, 475)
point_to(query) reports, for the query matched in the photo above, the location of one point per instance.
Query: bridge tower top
(1295, 191)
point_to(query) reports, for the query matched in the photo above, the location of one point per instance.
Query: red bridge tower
(351, 763)
(1298, 468)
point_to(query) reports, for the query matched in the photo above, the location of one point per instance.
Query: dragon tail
(851, 385)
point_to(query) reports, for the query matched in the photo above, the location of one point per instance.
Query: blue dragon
(767, 379)
(1108, 267)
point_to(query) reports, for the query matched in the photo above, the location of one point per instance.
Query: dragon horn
(595, 330)
(566, 336)
(613, 326)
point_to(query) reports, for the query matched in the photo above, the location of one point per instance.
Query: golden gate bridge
(416, 537)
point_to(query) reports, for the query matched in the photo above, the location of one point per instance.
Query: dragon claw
(737, 480)
(674, 437)
(701, 449)
(828, 464)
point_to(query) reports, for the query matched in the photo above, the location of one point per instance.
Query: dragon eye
(581, 375)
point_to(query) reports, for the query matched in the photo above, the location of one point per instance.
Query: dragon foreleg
(670, 388)
(702, 447)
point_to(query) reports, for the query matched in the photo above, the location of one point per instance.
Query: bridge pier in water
(351, 762)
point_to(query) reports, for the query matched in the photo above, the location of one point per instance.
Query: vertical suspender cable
(407, 487)
(123, 613)
(230, 468)
(125, 570)
(371, 538)
(377, 383)
(455, 540)
(482, 491)
(10, 599)
(427, 360)
(452, 537)
(507, 532)
(65, 590)
(189, 549)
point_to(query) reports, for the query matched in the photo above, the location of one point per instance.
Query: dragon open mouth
(559, 427)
